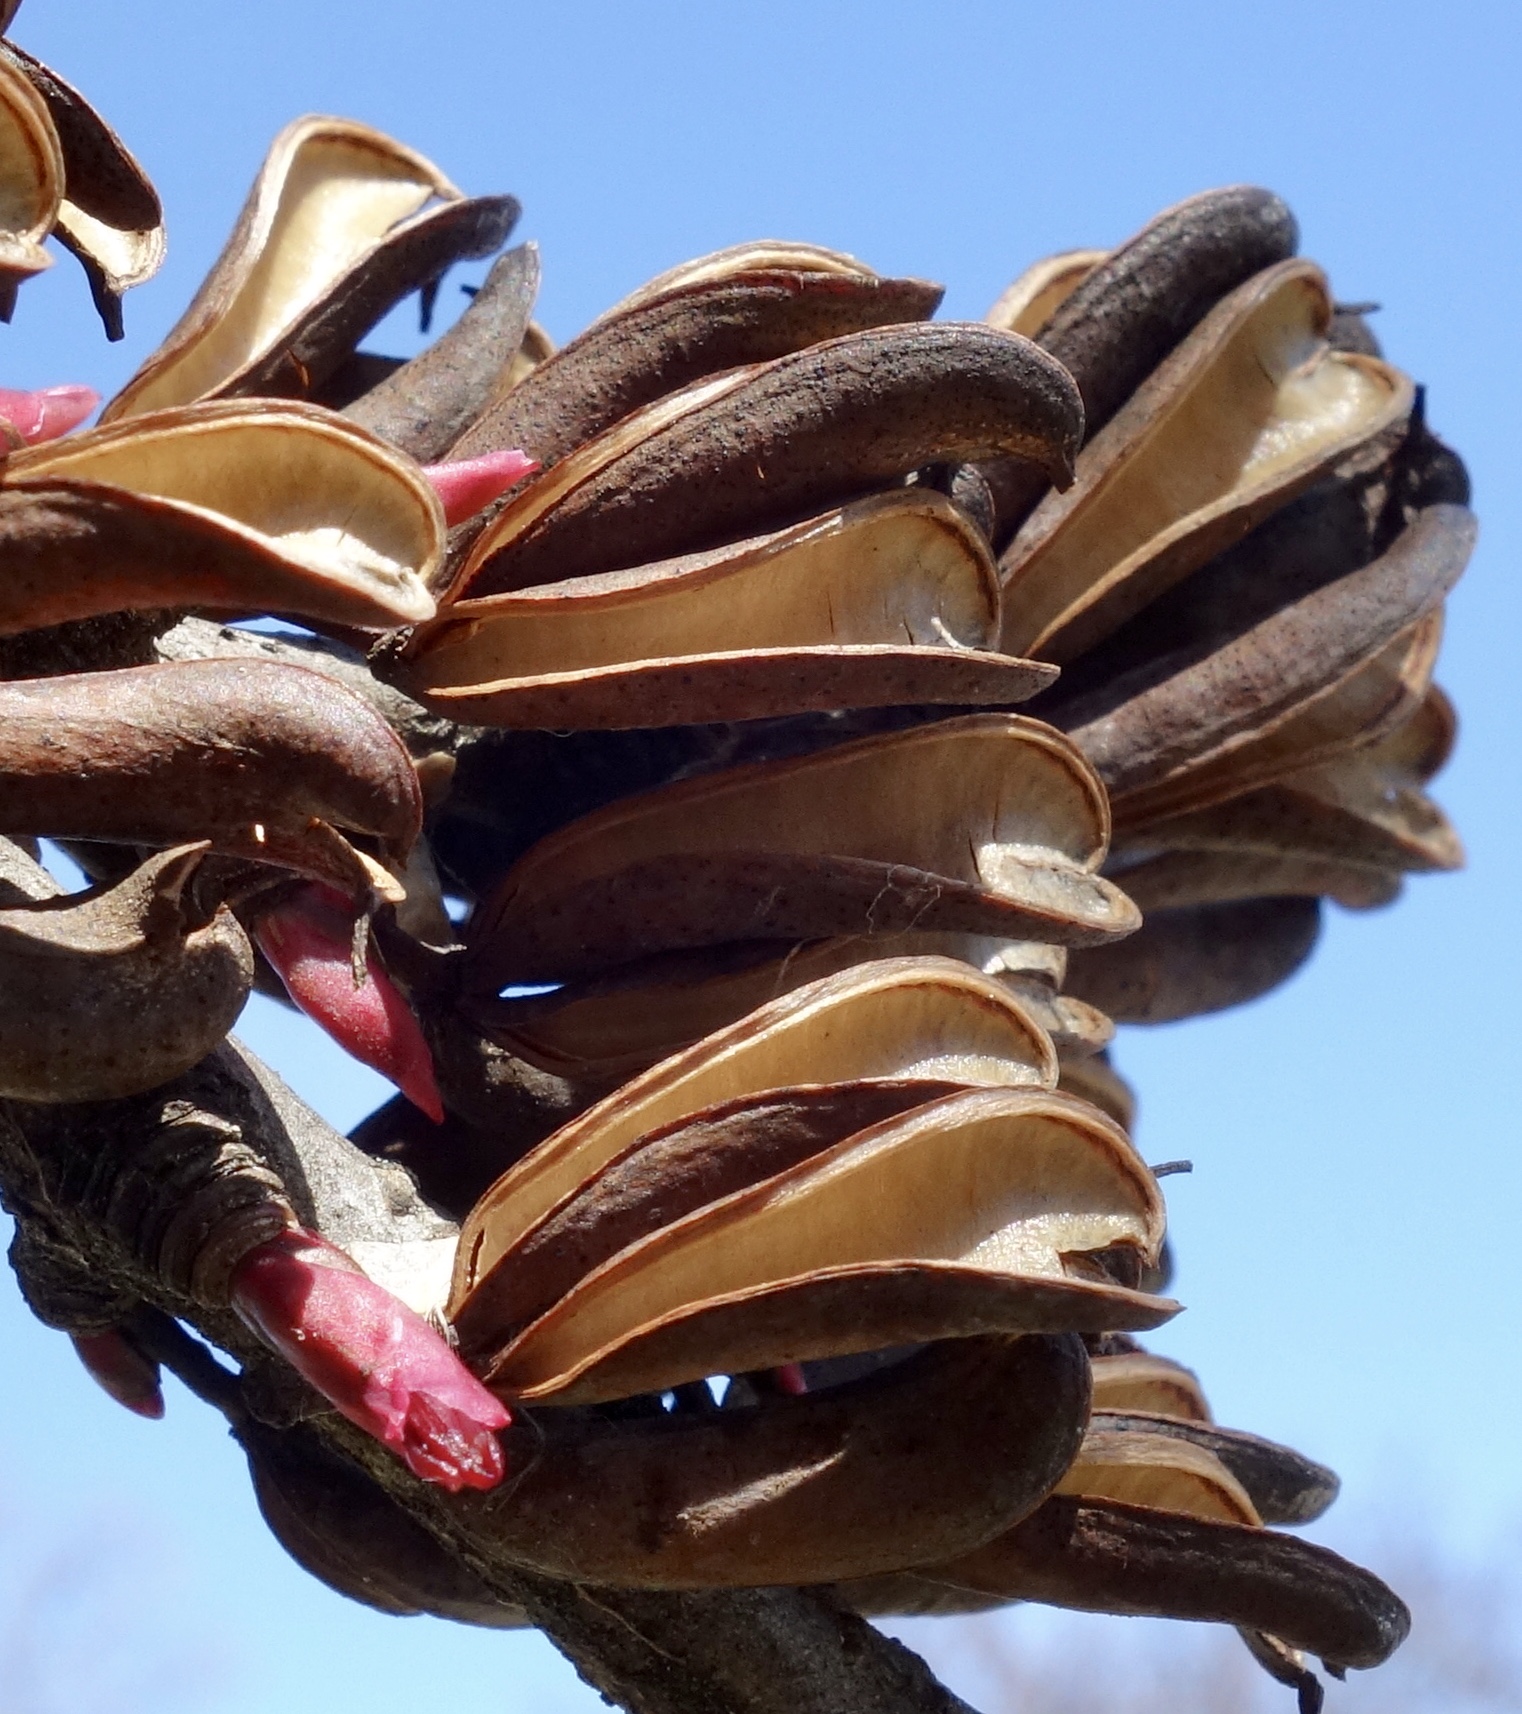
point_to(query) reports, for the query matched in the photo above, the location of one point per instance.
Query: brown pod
(239, 506)
(1229, 684)
(348, 1533)
(1105, 1556)
(963, 1437)
(985, 825)
(744, 452)
(887, 601)
(1139, 1381)
(31, 182)
(1116, 326)
(1284, 1486)
(423, 405)
(1245, 414)
(263, 760)
(1028, 303)
(329, 238)
(1178, 880)
(110, 216)
(1095, 1080)
(748, 305)
(1184, 963)
(116, 991)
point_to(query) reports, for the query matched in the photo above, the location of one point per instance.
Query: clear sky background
(1347, 1244)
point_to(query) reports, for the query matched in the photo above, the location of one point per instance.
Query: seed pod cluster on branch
(757, 1148)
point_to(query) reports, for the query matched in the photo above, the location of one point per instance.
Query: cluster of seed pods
(771, 1048)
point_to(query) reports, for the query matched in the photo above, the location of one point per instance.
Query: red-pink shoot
(117, 1365)
(376, 1360)
(47, 413)
(465, 487)
(308, 938)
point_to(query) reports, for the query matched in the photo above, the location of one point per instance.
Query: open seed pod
(330, 238)
(267, 762)
(888, 600)
(1148, 1523)
(1094, 1079)
(1249, 410)
(745, 451)
(31, 183)
(810, 1210)
(739, 306)
(110, 216)
(990, 825)
(243, 507)
(611, 1027)
(1138, 1381)
(116, 991)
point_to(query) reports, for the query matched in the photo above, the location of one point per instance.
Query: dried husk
(1247, 412)
(1028, 303)
(926, 1019)
(1179, 879)
(892, 600)
(741, 306)
(1202, 958)
(31, 182)
(113, 992)
(238, 506)
(424, 405)
(1194, 697)
(990, 824)
(963, 1436)
(265, 761)
(743, 452)
(330, 236)
(1094, 1079)
(1138, 1381)
(110, 216)
(612, 1027)
(974, 1213)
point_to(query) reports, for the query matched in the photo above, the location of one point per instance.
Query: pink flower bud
(309, 939)
(47, 413)
(117, 1365)
(470, 484)
(376, 1360)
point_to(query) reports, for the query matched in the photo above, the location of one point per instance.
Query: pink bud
(465, 487)
(117, 1365)
(376, 1360)
(47, 413)
(309, 940)
(790, 1379)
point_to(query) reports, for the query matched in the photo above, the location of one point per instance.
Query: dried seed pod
(922, 1226)
(264, 761)
(118, 990)
(1138, 1381)
(734, 455)
(1107, 1556)
(110, 216)
(892, 600)
(1183, 963)
(349, 1534)
(985, 825)
(1283, 1486)
(1178, 880)
(791, 1491)
(1095, 1080)
(329, 239)
(424, 405)
(611, 1027)
(257, 506)
(1216, 669)
(746, 305)
(1029, 302)
(31, 183)
(925, 1019)
(1114, 329)
(1247, 412)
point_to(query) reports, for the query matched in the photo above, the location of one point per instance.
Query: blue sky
(1345, 1242)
